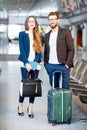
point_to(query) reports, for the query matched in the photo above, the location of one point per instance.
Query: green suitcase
(59, 106)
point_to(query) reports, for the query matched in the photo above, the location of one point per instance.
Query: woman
(30, 50)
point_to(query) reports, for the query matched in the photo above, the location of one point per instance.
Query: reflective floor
(9, 89)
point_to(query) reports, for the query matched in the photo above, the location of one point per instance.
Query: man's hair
(54, 13)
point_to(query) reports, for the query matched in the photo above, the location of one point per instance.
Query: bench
(78, 81)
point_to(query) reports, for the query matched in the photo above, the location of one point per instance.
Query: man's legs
(51, 68)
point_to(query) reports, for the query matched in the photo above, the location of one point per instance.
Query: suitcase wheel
(69, 121)
(53, 124)
(49, 122)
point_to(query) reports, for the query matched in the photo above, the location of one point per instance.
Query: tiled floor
(9, 119)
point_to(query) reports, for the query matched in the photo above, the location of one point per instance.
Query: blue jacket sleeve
(23, 53)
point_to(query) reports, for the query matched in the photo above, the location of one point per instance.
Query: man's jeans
(51, 68)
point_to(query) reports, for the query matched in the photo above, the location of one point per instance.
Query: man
(58, 51)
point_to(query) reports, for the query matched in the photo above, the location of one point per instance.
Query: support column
(84, 41)
(58, 5)
(74, 36)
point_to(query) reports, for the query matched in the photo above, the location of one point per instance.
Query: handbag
(31, 88)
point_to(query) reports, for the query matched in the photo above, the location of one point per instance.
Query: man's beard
(53, 26)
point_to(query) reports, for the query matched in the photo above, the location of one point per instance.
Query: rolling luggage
(59, 105)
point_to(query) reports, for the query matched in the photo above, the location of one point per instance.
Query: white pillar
(84, 41)
(58, 5)
(74, 36)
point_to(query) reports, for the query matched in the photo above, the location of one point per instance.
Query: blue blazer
(24, 46)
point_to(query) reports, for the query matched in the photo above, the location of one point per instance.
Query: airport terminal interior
(72, 15)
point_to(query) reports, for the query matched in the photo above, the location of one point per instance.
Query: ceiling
(26, 7)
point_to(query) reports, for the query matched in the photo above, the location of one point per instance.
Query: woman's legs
(21, 99)
(33, 74)
(20, 109)
(20, 106)
(30, 107)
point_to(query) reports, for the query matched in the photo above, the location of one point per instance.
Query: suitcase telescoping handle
(59, 79)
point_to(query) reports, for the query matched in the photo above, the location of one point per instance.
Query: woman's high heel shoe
(20, 113)
(30, 115)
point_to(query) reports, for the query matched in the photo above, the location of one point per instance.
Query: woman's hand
(28, 67)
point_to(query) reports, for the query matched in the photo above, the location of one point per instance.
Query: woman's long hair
(36, 35)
